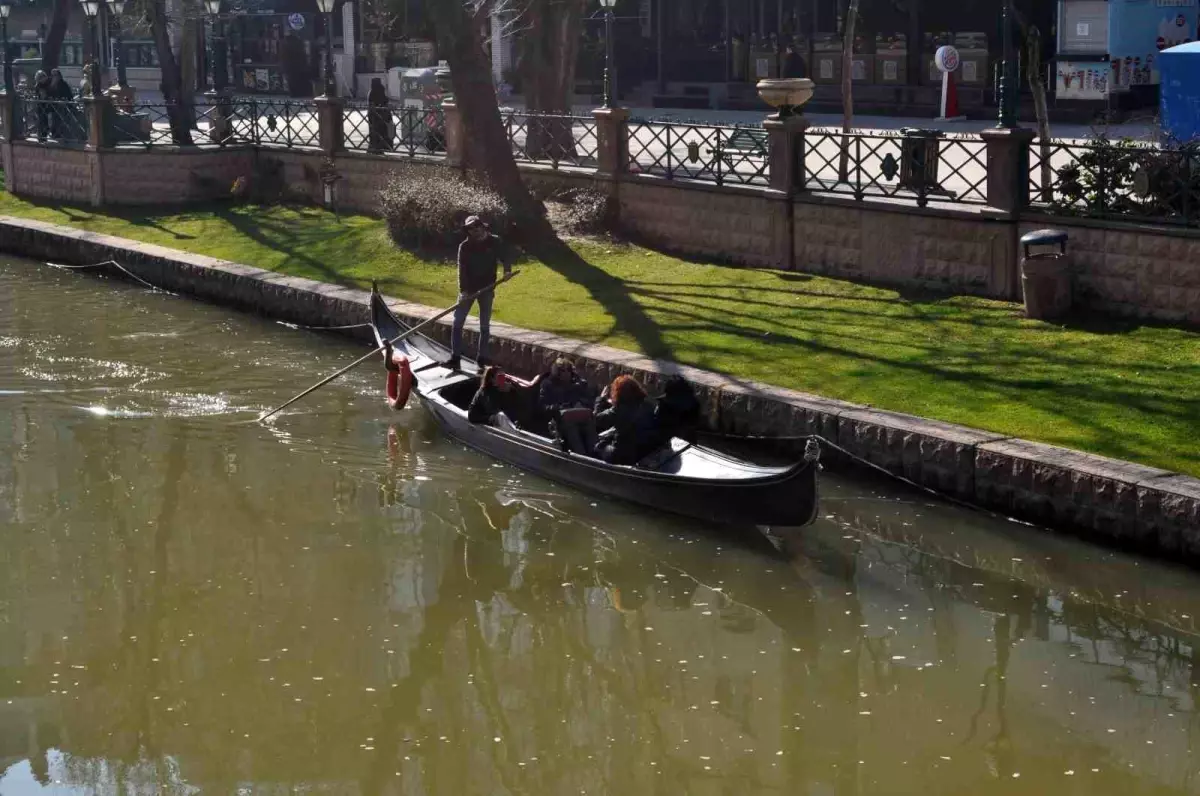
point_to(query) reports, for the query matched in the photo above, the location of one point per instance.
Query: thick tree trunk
(551, 54)
(490, 152)
(172, 79)
(847, 89)
(52, 47)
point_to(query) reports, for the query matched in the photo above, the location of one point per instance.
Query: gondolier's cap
(473, 221)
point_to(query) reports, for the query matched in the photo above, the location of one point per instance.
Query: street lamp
(5, 10)
(118, 8)
(90, 9)
(326, 8)
(1008, 79)
(217, 47)
(608, 6)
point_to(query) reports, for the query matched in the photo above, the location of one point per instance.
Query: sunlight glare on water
(342, 601)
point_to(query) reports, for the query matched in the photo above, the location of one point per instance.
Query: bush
(425, 207)
(580, 211)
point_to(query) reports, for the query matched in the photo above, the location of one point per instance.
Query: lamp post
(90, 9)
(1008, 80)
(118, 8)
(5, 10)
(216, 51)
(326, 8)
(608, 6)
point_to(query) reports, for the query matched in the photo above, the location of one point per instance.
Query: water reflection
(343, 602)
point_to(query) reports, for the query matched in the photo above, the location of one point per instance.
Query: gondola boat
(682, 478)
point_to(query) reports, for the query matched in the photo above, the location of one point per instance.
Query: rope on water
(126, 271)
(116, 265)
(869, 465)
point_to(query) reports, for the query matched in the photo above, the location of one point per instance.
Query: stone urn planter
(787, 94)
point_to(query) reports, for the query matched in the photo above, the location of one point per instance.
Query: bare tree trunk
(1037, 84)
(457, 27)
(172, 83)
(847, 89)
(52, 47)
(551, 53)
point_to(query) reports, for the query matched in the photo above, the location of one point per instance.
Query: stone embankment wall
(1105, 500)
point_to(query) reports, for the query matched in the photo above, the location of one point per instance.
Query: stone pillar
(330, 125)
(456, 142)
(612, 141)
(98, 112)
(1008, 167)
(785, 144)
(9, 127)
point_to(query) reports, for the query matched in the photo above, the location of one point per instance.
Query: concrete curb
(1103, 499)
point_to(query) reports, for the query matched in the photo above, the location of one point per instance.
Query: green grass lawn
(1106, 386)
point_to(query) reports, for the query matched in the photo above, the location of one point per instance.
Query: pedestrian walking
(479, 256)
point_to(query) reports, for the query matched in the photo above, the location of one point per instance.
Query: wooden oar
(395, 340)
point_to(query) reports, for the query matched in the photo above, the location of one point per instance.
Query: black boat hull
(686, 480)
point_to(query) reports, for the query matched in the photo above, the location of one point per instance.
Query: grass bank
(1116, 388)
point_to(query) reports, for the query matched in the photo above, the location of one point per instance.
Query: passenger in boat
(567, 400)
(630, 421)
(487, 405)
(677, 413)
(478, 258)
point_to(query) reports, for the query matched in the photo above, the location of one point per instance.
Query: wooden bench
(743, 144)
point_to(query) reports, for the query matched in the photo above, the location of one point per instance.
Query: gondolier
(478, 259)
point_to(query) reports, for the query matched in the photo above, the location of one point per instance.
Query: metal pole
(119, 54)
(658, 32)
(330, 86)
(1008, 81)
(608, 57)
(95, 40)
(8, 73)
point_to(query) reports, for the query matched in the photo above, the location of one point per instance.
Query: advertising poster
(1081, 80)
(1139, 30)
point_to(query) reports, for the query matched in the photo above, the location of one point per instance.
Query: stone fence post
(330, 125)
(785, 152)
(456, 142)
(612, 141)
(98, 115)
(10, 128)
(1008, 167)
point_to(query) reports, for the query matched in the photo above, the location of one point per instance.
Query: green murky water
(343, 602)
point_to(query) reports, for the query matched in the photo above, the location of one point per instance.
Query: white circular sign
(947, 59)
(296, 21)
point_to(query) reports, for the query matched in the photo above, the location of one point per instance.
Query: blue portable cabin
(1179, 101)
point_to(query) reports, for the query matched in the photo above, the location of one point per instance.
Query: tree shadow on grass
(288, 239)
(607, 290)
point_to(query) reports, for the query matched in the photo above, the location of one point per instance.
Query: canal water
(344, 602)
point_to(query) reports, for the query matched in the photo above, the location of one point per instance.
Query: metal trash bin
(1046, 274)
(920, 156)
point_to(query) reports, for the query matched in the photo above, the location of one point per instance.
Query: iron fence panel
(697, 151)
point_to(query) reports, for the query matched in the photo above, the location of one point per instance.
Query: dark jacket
(678, 412)
(635, 434)
(484, 405)
(61, 91)
(554, 396)
(477, 263)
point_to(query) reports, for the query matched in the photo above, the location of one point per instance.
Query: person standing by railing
(379, 119)
(41, 92)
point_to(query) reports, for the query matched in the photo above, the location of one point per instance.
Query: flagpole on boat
(393, 341)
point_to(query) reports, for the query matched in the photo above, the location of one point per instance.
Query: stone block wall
(1131, 271)
(64, 174)
(964, 252)
(727, 224)
(167, 176)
